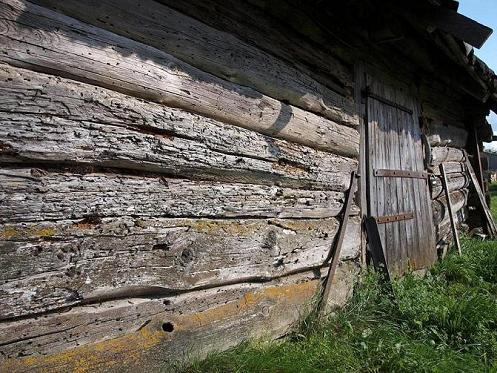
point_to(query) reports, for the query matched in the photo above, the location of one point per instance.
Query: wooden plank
(34, 194)
(54, 264)
(56, 43)
(135, 334)
(216, 52)
(449, 206)
(483, 203)
(376, 249)
(54, 120)
(462, 27)
(402, 198)
(428, 247)
(335, 251)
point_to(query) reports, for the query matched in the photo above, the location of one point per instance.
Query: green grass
(445, 322)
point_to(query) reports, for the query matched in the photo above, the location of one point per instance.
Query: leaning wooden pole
(449, 207)
(492, 228)
(334, 254)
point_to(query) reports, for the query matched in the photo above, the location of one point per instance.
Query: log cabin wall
(168, 189)
(173, 172)
(447, 138)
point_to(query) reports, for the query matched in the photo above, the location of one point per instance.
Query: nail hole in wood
(168, 327)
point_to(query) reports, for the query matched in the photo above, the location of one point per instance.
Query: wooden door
(398, 192)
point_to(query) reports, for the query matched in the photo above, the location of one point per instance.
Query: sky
(485, 11)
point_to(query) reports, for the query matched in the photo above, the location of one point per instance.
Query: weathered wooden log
(38, 195)
(443, 231)
(458, 199)
(455, 182)
(96, 259)
(451, 136)
(445, 154)
(213, 51)
(48, 119)
(259, 28)
(56, 43)
(451, 168)
(148, 334)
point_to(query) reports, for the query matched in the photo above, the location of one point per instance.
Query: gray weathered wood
(284, 40)
(395, 143)
(446, 154)
(208, 49)
(450, 210)
(56, 43)
(39, 195)
(48, 119)
(128, 335)
(336, 250)
(459, 200)
(451, 136)
(481, 197)
(455, 181)
(53, 264)
(451, 168)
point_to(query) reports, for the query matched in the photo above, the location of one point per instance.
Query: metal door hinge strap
(386, 101)
(393, 218)
(401, 173)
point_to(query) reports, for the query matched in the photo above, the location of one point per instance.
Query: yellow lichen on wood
(131, 349)
(8, 233)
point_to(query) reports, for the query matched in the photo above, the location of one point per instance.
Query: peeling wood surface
(445, 154)
(49, 119)
(33, 194)
(94, 259)
(129, 335)
(56, 43)
(451, 168)
(219, 53)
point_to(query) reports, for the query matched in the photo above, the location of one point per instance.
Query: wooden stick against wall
(449, 206)
(338, 246)
(492, 228)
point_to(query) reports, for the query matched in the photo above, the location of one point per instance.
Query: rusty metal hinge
(401, 173)
(394, 218)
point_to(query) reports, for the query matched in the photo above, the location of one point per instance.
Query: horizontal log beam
(451, 168)
(55, 120)
(211, 50)
(443, 231)
(458, 199)
(445, 154)
(260, 28)
(150, 334)
(36, 195)
(455, 181)
(58, 44)
(50, 265)
(441, 135)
